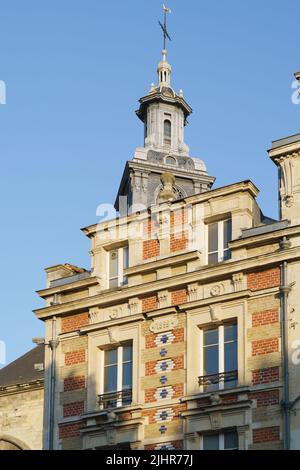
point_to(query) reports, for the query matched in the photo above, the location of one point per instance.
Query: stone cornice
(21, 388)
(205, 274)
(264, 238)
(164, 261)
(75, 286)
(111, 323)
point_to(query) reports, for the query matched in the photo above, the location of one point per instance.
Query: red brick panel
(179, 297)
(74, 383)
(74, 322)
(265, 376)
(69, 430)
(152, 413)
(151, 249)
(268, 317)
(150, 392)
(75, 357)
(266, 435)
(268, 398)
(73, 409)
(150, 366)
(178, 242)
(264, 279)
(178, 333)
(149, 303)
(176, 444)
(265, 346)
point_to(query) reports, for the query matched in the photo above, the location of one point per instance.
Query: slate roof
(22, 370)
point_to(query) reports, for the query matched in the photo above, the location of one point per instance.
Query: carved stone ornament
(286, 189)
(164, 324)
(98, 315)
(237, 281)
(216, 420)
(217, 290)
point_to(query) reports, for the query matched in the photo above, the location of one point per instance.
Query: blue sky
(74, 71)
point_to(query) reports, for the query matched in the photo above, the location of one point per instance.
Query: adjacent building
(184, 333)
(22, 402)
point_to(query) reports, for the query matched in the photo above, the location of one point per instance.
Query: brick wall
(265, 346)
(74, 322)
(265, 376)
(266, 435)
(75, 357)
(267, 398)
(150, 398)
(74, 383)
(73, 409)
(149, 303)
(178, 238)
(267, 317)
(176, 444)
(69, 430)
(264, 279)
(178, 338)
(151, 249)
(150, 366)
(179, 297)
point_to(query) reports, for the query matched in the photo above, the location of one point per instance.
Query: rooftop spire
(164, 68)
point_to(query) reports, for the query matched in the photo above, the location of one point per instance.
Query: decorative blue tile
(163, 380)
(163, 429)
(163, 352)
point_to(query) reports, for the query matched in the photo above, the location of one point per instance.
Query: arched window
(167, 132)
(171, 161)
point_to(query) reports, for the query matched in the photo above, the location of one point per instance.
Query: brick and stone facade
(169, 297)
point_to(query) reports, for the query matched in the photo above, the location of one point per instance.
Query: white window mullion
(120, 373)
(101, 372)
(120, 266)
(221, 355)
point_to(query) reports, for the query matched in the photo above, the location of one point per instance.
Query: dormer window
(171, 161)
(167, 132)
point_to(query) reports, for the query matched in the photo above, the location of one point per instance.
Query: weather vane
(164, 26)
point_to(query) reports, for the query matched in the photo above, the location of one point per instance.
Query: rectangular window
(219, 363)
(223, 441)
(118, 262)
(219, 236)
(117, 377)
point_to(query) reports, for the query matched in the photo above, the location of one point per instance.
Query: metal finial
(164, 26)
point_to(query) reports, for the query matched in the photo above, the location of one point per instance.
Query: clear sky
(74, 71)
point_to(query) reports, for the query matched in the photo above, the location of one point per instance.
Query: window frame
(221, 353)
(122, 280)
(221, 250)
(120, 364)
(221, 439)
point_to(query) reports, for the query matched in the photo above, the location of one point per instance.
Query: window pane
(127, 375)
(230, 356)
(211, 337)
(227, 233)
(213, 258)
(211, 442)
(213, 238)
(211, 360)
(110, 378)
(113, 283)
(127, 353)
(227, 255)
(230, 332)
(113, 263)
(231, 441)
(125, 257)
(167, 128)
(111, 357)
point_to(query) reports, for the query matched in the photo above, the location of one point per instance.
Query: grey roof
(23, 370)
(265, 229)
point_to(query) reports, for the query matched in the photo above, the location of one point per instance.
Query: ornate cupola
(164, 114)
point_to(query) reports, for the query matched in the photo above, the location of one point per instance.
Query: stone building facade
(22, 402)
(183, 335)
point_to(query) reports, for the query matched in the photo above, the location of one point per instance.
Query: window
(219, 236)
(167, 132)
(219, 362)
(118, 262)
(224, 441)
(171, 161)
(117, 377)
